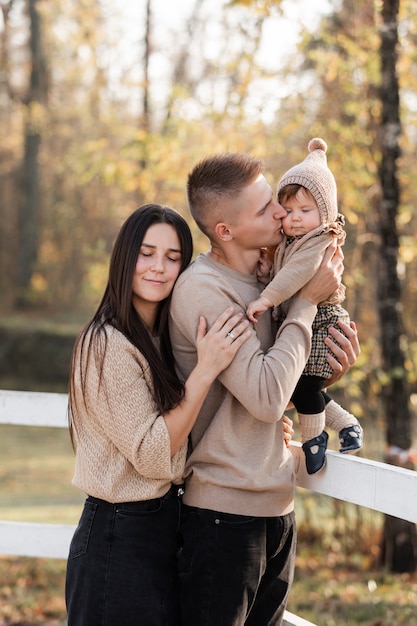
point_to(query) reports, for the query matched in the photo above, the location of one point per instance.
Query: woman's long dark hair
(116, 308)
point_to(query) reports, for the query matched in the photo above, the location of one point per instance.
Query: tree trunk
(28, 209)
(145, 121)
(399, 551)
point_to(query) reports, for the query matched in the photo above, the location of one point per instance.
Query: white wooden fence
(385, 488)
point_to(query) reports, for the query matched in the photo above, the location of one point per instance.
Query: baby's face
(302, 216)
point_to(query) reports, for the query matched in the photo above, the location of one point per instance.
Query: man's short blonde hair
(215, 179)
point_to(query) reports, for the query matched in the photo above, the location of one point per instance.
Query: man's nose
(279, 211)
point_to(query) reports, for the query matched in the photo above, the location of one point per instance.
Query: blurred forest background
(93, 125)
(103, 110)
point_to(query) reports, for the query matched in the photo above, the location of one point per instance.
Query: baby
(308, 193)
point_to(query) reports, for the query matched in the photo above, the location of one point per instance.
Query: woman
(130, 417)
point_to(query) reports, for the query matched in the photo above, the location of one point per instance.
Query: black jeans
(122, 565)
(235, 569)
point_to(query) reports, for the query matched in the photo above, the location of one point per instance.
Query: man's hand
(344, 352)
(328, 277)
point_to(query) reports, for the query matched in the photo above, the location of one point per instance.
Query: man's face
(258, 216)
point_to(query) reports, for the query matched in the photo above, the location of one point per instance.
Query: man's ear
(223, 232)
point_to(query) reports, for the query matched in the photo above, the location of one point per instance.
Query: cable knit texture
(123, 446)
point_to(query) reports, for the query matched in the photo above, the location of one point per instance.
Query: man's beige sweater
(123, 446)
(238, 462)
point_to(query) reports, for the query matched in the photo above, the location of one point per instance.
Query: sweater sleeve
(119, 401)
(297, 270)
(262, 376)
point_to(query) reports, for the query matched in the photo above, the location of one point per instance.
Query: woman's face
(157, 268)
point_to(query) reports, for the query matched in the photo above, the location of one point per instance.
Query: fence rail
(385, 488)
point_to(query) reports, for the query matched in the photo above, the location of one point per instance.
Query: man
(238, 527)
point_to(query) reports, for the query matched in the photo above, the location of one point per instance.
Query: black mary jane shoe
(351, 438)
(315, 452)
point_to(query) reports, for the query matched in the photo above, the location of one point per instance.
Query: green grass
(35, 486)
(35, 475)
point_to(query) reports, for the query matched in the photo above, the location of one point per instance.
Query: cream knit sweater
(238, 461)
(123, 446)
(295, 263)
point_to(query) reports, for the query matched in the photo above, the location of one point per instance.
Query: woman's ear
(223, 232)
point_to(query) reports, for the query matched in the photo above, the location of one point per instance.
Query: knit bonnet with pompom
(314, 175)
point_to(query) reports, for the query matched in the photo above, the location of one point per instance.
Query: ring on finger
(231, 335)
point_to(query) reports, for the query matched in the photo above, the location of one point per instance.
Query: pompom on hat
(314, 175)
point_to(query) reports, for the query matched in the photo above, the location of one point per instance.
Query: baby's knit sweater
(123, 446)
(297, 261)
(238, 461)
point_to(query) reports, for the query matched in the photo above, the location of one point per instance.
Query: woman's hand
(343, 353)
(217, 346)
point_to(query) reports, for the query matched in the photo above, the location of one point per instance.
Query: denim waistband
(175, 491)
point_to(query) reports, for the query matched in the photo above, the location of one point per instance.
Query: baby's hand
(257, 307)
